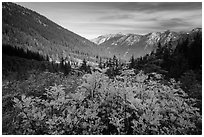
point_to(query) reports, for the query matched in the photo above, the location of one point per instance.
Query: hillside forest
(55, 82)
(160, 93)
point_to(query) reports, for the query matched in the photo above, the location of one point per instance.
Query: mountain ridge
(138, 45)
(108, 36)
(27, 29)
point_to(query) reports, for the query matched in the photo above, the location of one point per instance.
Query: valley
(56, 82)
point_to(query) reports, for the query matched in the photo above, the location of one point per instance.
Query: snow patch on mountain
(153, 38)
(104, 38)
(114, 43)
(132, 39)
(129, 39)
(136, 44)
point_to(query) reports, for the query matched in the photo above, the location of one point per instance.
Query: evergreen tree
(84, 66)
(47, 58)
(159, 50)
(51, 67)
(114, 67)
(67, 68)
(100, 65)
(132, 63)
(22, 53)
(62, 65)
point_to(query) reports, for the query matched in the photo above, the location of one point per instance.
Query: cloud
(91, 19)
(115, 17)
(174, 22)
(158, 6)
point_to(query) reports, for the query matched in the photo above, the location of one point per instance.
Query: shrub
(35, 85)
(123, 105)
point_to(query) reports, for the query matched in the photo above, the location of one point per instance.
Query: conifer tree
(132, 62)
(100, 65)
(67, 68)
(84, 66)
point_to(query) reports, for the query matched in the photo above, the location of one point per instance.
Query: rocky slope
(126, 45)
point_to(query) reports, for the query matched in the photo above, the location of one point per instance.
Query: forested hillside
(142, 98)
(27, 29)
(55, 82)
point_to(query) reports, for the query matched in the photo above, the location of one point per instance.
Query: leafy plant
(128, 104)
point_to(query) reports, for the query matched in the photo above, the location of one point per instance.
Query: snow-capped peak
(106, 37)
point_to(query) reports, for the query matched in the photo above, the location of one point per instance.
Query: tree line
(172, 62)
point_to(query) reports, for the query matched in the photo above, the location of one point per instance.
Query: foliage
(17, 68)
(183, 62)
(114, 67)
(35, 86)
(117, 102)
(17, 63)
(15, 51)
(132, 63)
(65, 67)
(84, 67)
(128, 104)
(185, 56)
(192, 86)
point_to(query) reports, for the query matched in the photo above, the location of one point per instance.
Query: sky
(90, 20)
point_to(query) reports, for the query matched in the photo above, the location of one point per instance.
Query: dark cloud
(158, 6)
(174, 22)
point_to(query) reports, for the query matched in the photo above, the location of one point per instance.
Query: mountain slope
(138, 45)
(27, 29)
(107, 37)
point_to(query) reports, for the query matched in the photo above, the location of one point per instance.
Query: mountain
(104, 38)
(126, 45)
(26, 29)
(29, 30)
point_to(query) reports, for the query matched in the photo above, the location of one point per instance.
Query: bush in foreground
(126, 105)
